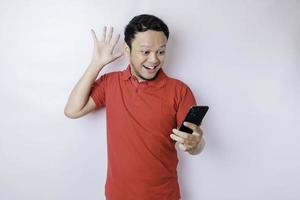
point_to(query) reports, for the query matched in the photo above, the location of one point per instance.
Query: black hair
(142, 23)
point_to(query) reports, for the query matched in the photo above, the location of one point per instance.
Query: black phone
(195, 115)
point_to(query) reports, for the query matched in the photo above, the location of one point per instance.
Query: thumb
(118, 55)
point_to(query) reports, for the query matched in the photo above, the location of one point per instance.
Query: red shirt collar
(159, 81)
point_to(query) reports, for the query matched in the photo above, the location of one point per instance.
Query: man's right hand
(103, 49)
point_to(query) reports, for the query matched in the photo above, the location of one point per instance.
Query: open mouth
(150, 68)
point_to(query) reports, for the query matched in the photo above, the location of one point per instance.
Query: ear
(126, 49)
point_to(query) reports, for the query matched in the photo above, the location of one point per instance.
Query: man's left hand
(188, 142)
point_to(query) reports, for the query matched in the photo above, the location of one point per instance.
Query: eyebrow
(145, 45)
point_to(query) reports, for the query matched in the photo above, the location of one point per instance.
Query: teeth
(150, 67)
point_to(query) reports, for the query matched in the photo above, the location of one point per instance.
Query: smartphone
(195, 115)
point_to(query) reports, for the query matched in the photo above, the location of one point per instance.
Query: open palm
(104, 48)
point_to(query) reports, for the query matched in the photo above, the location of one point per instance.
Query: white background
(239, 57)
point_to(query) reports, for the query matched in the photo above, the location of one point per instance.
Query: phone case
(195, 115)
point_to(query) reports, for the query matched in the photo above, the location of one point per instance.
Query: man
(143, 107)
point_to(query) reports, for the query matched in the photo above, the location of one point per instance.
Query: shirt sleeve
(187, 100)
(98, 91)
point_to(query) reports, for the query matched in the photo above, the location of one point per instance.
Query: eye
(145, 52)
(162, 52)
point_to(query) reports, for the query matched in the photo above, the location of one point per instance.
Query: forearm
(80, 93)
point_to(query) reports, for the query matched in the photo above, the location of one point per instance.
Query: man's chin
(149, 78)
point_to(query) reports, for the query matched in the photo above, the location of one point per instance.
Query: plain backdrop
(240, 57)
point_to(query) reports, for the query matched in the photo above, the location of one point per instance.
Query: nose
(152, 58)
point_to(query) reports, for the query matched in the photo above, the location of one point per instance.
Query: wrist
(93, 71)
(96, 65)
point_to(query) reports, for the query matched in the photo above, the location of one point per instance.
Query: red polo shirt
(142, 158)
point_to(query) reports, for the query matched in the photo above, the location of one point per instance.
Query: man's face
(147, 54)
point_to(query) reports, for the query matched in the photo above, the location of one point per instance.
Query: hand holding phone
(195, 115)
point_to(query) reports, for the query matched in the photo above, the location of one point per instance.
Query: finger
(109, 34)
(190, 125)
(198, 131)
(177, 138)
(94, 35)
(115, 41)
(192, 143)
(181, 133)
(103, 33)
(118, 55)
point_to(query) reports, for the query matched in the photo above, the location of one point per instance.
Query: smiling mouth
(150, 68)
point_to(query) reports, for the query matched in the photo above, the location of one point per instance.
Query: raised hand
(103, 53)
